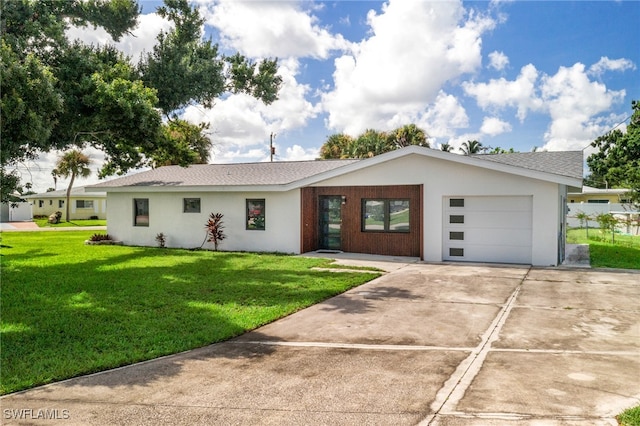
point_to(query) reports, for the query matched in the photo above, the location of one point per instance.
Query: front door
(330, 222)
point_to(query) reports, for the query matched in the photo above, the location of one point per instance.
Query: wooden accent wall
(353, 239)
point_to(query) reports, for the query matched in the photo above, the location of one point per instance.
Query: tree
(184, 144)
(498, 150)
(407, 135)
(617, 161)
(35, 66)
(446, 147)
(72, 164)
(337, 146)
(471, 147)
(73, 95)
(372, 142)
(184, 69)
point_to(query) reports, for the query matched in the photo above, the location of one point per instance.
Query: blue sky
(514, 74)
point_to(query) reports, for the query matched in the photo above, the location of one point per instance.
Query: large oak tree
(61, 94)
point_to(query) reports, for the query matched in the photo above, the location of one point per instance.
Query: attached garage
(488, 229)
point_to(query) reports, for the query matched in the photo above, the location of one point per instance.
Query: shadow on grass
(69, 319)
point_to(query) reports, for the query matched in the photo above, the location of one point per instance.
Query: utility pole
(273, 148)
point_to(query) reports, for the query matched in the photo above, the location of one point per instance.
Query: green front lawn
(43, 223)
(624, 253)
(70, 309)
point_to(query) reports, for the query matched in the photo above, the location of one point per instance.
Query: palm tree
(409, 134)
(471, 147)
(337, 146)
(446, 147)
(72, 163)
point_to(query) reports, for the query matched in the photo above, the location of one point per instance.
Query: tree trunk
(73, 177)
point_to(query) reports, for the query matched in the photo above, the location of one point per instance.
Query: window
(598, 201)
(456, 235)
(385, 215)
(456, 202)
(60, 204)
(84, 204)
(191, 205)
(456, 252)
(454, 218)
(40, 203)
(255, 215)
(50, 202)
(140, 212)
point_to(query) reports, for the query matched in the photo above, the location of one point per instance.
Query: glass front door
(330, 222)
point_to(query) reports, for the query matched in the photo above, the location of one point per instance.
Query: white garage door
(487, 229)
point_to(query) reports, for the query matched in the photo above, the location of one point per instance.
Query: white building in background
(595, 201)
(84, 205)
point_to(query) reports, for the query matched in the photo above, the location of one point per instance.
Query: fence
(627, 217)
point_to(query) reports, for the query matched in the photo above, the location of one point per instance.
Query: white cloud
(273, 28)
(498, 60)
(519, 93)
(142, 38)
(493, 126)
(298, 153)
(240, 122)
(415, 47)
(442, 118)
(575, 104)
(606, 64)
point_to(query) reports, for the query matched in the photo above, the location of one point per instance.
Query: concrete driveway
(430, 344)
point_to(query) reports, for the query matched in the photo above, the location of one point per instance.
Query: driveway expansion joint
(448, 397)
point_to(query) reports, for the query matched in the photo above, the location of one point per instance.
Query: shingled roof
(562, 163)
(288, 173)
(233, 174)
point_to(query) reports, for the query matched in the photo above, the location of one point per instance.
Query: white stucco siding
(446, 179)
(187, 230)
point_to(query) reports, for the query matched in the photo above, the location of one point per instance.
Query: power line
(610, 130)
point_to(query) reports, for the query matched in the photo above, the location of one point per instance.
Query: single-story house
(84, 205)
(414, 201)
(591, 195)
(595, 201)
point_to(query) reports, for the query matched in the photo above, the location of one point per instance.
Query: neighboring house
(414, 201)
(15, 212)
(595, 201)
(84, 205)
(599, 196)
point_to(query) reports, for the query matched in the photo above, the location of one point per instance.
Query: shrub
(161, 239)
(93, 218)
(100, 237)
(214, 229)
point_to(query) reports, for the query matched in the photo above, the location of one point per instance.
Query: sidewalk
(33, 227)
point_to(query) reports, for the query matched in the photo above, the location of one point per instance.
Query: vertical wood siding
(354, 240)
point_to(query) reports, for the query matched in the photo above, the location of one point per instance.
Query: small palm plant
(214, 229)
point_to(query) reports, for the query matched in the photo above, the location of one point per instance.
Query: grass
(43, 223)
(69, 309)
(624, 253)
(630, 417)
